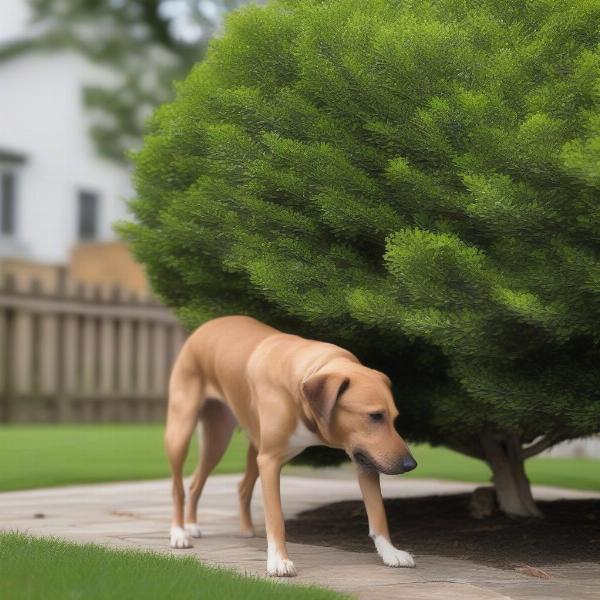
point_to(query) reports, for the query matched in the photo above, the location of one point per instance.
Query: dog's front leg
(378, 526)
(278, 562)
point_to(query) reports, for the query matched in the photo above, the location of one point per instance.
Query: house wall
(588, 447)
(16, 16)
(43, 117)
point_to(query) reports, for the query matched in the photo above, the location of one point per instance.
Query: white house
(55, 190)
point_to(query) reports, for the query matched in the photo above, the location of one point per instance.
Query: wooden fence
(77, 353)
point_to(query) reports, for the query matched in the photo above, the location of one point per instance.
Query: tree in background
(147, 43)
(415, 180)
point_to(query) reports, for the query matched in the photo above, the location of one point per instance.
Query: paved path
(136, 515)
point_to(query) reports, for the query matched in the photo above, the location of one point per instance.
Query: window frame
(82, 236)
(12, 170)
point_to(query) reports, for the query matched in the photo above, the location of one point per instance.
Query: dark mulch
(442, 526)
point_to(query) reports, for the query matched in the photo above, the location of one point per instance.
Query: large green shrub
(418, 180)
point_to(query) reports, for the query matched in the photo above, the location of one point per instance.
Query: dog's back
(220, 350)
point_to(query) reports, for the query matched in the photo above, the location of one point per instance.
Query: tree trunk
(513, 491)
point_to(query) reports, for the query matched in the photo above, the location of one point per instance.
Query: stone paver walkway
(136, 515)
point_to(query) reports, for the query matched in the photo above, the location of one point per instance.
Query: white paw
(392, 557)
(180, 538)
(277, 566)
(193, 529)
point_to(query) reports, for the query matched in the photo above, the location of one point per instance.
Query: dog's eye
(376, 417)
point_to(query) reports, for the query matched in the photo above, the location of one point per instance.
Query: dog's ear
(322, 392)
(385, 378)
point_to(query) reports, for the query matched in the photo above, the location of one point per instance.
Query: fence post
(107, 358)
(4, 383)
(159, 374)
(70, 365)
(88, 366)
(48, 353)
(159, 343)
(142, 383)
(126, 357)
(22, 374)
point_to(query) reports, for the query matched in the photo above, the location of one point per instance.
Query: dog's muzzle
(362, 459)
(404, 465)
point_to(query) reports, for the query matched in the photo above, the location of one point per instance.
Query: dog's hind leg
(185, 400)
(218, 425)
(245, 489)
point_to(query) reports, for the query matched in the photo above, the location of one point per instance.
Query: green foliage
(416, 180)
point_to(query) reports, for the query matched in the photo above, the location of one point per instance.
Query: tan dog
(287, 393)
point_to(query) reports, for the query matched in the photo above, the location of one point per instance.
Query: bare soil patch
(442, 526)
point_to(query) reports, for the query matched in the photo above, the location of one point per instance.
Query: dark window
(88, 215)
(7, 203)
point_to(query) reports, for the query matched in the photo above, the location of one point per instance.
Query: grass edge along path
(35, 456)
(52, 569)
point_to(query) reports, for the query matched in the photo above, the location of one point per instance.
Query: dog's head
(354, 410)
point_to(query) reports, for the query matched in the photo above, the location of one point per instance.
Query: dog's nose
(408, 463)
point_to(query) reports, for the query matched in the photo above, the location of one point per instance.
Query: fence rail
(81, 353)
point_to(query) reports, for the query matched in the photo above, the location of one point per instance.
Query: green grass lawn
(34, 456)
(48, 569)
(440, 463)
(48, 455)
